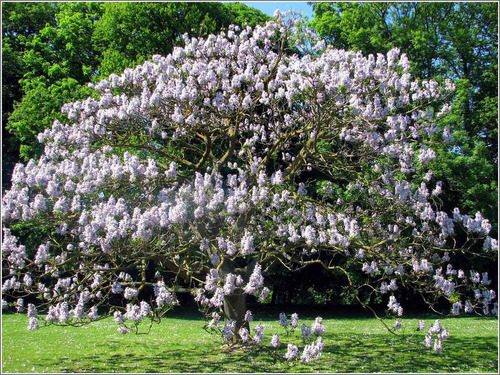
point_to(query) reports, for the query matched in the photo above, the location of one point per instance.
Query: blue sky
(269, 7)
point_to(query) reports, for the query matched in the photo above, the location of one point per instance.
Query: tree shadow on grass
(382, 353)
(342, 353)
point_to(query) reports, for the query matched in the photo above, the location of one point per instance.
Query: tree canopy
(202, 168)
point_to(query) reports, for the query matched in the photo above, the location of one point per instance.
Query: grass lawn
(354, 343)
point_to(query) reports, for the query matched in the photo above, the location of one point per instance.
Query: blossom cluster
(441, 334)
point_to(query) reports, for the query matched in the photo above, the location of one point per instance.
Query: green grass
(354, 343)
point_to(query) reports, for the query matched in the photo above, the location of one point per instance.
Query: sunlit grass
(354, 343)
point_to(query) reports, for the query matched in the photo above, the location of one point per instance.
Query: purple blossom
(312, 351)
(292, 352)
(256, 281)
(468, 307)
(33, 323)
(294, 320)
(259, 332)
(247, 244)
(428, 341)
(248, 316)
(145, 309)
(42, 254)
(163, 296)
(456, 308)
(317, 327)
(438, 345)
(263, 295)
(32, 313)
(421, 325)
(218, 298)
(20, 305)
(123, 330)
(214, 323)
(93, 313)
(228, 331)
(230, 284)
(394, 306)
(118, 317)
(275, 341)
(134, 313)
(130, 293)
(305, 331)
(283, 320)
(244, 334)
(211, 280)
(116, 288)
(230, 248)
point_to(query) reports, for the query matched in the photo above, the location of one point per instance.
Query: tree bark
(235, 307)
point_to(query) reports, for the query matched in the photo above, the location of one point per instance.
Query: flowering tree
(231, 154)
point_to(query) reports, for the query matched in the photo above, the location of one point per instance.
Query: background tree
(204, 164)
(58, 61)
(20, 22)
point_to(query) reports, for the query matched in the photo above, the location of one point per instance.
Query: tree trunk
(235, 307)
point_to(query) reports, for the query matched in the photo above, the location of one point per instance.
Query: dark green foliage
(244, 15)
(20, 22)
(39, 108)
(52, 55)
(130, 33)
(57, 61)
